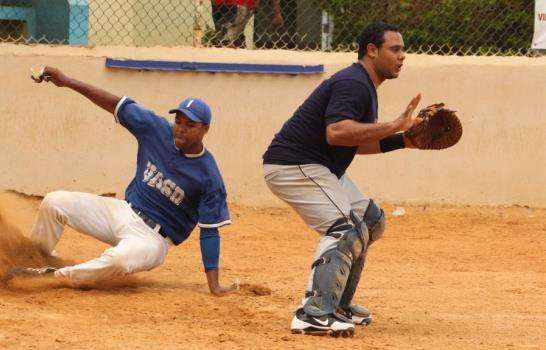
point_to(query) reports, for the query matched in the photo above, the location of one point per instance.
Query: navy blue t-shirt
(348, 94)
(176, 190)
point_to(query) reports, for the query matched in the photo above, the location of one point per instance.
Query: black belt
(148, 221)
(280, 162)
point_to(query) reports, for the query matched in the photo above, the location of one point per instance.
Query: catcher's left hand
(440, 128)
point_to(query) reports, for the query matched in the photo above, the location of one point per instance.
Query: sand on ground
(442, 277)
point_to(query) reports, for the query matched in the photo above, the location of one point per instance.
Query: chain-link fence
(460, 27)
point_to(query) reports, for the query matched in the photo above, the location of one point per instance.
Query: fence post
(198, 23)
(327, 28)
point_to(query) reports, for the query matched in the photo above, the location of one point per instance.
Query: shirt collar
(190, 155)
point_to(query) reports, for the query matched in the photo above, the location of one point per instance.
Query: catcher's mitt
(440, 128)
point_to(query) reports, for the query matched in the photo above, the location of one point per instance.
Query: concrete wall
(52, 138)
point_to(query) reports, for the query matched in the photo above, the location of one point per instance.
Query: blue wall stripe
(215, 67)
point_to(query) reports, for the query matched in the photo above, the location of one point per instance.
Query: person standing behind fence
(231, 16)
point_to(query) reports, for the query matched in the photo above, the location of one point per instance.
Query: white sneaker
(333, 324)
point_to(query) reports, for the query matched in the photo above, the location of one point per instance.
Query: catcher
(305, 166)
(177, 186)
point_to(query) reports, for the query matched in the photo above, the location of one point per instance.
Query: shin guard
(333, 268)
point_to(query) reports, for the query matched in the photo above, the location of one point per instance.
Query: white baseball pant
(135, 246)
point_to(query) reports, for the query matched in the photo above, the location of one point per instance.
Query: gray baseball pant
(318, 196)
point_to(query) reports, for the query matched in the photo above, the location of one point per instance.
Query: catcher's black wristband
(392, 143)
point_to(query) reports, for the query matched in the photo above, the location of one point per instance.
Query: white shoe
(333, 324)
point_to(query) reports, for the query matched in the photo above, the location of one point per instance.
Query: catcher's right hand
(440, 128)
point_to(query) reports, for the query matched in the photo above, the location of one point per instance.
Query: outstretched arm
(210, 252)
(100, 97)
(348, 132)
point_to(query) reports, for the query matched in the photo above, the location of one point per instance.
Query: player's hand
(215, 287)
(406, 120)
(220, 291)
(277, 21)
(54, 75)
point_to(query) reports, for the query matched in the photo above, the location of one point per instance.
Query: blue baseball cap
(196, 109)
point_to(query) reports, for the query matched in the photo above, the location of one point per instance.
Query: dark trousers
(224, 17)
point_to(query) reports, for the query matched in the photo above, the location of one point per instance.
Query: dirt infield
(443, 277)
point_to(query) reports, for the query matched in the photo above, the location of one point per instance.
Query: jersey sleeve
(133, 117)
(348, 100)
(210, 248)
(213, 210)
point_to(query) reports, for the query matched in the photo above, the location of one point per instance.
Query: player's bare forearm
(100, 97)
(348, 132)
(214, 284)
(369, 148)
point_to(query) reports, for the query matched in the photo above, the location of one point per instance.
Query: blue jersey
(176, 190)
(348, 94)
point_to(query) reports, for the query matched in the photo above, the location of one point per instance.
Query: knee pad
(333, 267)
(374, 217)
(351, 235)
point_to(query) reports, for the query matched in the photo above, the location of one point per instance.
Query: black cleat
(358, 314)
(333, 324)
(33, 271)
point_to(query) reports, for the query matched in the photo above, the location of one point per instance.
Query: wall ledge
(215, 67)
